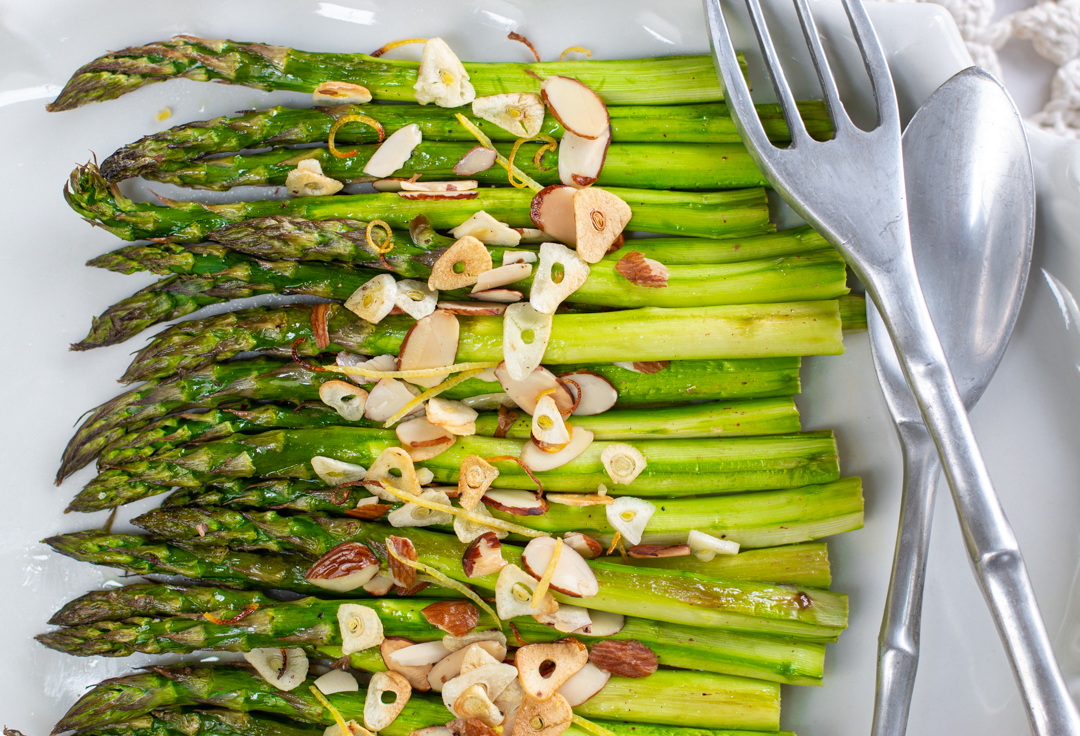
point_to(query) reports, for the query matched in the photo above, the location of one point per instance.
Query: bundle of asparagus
(405, 461)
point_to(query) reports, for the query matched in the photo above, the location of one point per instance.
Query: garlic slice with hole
(629, 516)
(394, 152)
(568, 619)
(549, 717)
(548, 426)
(307, 180)
(460, 264)
(561, 272)
(283, 667)
(502, 276)
(375, 299)
(335, 472)
(487, 230)
(393, 458)
(415, 299)
(518, 256)
(424, 440)
(431, 343)
(412, 515)
(336, 681)
(467, 530)
(442, 78)
(568, 656)
(705, 546)
(539, 460)
(576, 106)
(347, 399)
(572, 575)
(476, 160)
(582, 159)
(475, 476)
(514, 591)
(329, 94)
(451, 415)
(379, 712)
(599, 218)
(623, 463)
(584, 684)
(387, 398)
(552, 210)
(474, 703)
(518, 113)
(526, 333)
(360, 628)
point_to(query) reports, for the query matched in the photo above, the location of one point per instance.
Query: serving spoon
(971, 207)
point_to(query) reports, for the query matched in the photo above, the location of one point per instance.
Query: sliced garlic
(335, 472)
(475, 476)
(307, 180)
(514, 590)
(533, 235)
(393, 458)
(392, 154)
(283, 667)
(487, 230)
(511, 257)
(561, 272)
(548, 426)
(360, 628)
(476, 657)
(705, 546)
(425, 476)
(347, 399)
(388, 397)
(337, 681)
(415, 299)
(460, 265)
(568, 619)
(495, 677)
(468, 530)
(442, 78)
(526, 333)
(340, 93)
(622, 462)
(599, 218)
(502, 296)
(379, 712)
(518, 113)
(375, 299)
(568, 657)
(474, 703)
(629, 516)
(412, 515)
(451, 415)
(502, 276)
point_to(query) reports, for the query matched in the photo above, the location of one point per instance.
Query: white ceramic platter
(1028, 420)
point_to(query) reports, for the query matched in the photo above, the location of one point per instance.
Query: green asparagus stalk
(156, 600)
(283, 126)
(205, 722)
(734, 213)
(312, 624)
(675, 596)
(853, 312)
(785, 329)
(671, 80)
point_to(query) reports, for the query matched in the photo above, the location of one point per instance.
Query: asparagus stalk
(671, 80)
(665, 697)
(312, 624)
(156, 600)
(280, 126)
(668, 595)
(735, 213)
(785, 329)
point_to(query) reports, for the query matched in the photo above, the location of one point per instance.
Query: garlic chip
(379, 709)
(360, 628)
(518, 113)
(487, 230)
(705, 546)
(375, 299)
(415, 299)
(560, 273)
(622, 462)
(442, 78)
(307, 180)
(283, 667)
(347, 399)
(514, 590)
(526, 333)
(413, 515)
(629, 516)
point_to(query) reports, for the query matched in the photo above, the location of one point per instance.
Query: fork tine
(736, 91)
(873, 55)
(776, 74)
(821, 64)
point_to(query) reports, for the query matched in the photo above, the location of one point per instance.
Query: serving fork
(851, 189)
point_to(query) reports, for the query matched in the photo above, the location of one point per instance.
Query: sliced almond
(424, 440)
(514, 592)
(501, 296)
(441, 77)
(568, 619)
(518, 503)
(568, 656)
(307, 180)
(581, 159)
(548, 426)
(705, 546)
(584, 545)
(576, 106)
(379, 709)
(549, 717)
(283, 667)
(456, 618)
(414, 656)
(460, 265)
(379, 585)
(347, 399)
(346, 567)
(450, 415)
(394, 151)
(561, 272)
(646, 367)
(622, 462)
(598, 394)
(540, 461)
(475, 476)
(476, 657)
(336, 681)
(525, 392)
(415, 674)
(629, 516)
(518, 256)
(502, 276)
(604, 624)
(468, 530)
(487, 230)
(375, 299)
(518, 113)
(475, 703)
(599, 218)
(579, 499)
(473, 309)
(584, 684)
(335, 472)
(526, 333)
(340, 93)
(495, 677)
(430, 343)
(509, 702)
(654, 551)
(415, 299)
(450, 666)
(387, 398)
(456, 643)
(378, 363)
(552, 211)
(642, 271)
(460, 185)
(624, 658)
(410, 515)
(465, 727)
(483, 556)
(360, 628)
(404, 576)
(476, 160)
(572, 576)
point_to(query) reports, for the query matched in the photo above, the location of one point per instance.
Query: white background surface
(1027, 420)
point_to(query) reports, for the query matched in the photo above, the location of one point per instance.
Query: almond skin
(456, 618)
(470, 727)
(642, 271)
(624, 658)
(483, 556)
(651, 551)
(344, 559)
(403, 575)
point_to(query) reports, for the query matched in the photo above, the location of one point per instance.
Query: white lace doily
(1053, 29)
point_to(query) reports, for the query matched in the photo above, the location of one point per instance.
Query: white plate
(1027, 420)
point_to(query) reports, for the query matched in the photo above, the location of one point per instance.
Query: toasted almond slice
(360, 628)
(549, 717)
(379, 585)
(387, 398)
(526, 333)
(561, 272)
(340, 93)
(495, 677)
(552, 211)
(622, 462)
(642, 271)
(474, 703)
(476, 160)
(487, 230)
(581, 159)
(453, 416)
(336, 681)
(518, 503)
(404, 576)
(705, 546)
(283, 667)
(653, 551)
(378, 363)
(572, 576)
(489, 402)
(492, 636)
(568, 619)
(441, 78)
(424, 440)
(624, 658)
(415, 299)
(347, 399)
(375, 299)
(629, 516)
(475, 476)
(476, 657)
(576, 106)
(394, 151)
(502, 276)
(460, 265)
(348, 566)
(604, 624)
(431, 343)
(568, 656)
(390, 459)
(509, 702)
(539, 460)
(502, 296)
(460, 185)
(514, 592)
(599, 218)
(579, 499)
(518, 113)
(518, 256)
(308, 180)
(598, 394)
(584, 545)
(647, 367)
(483, 556)
(473, 309)
(526, 392)
(450, 666)
(335, 472)
(468, 530)
(584, 684)
(456, 618)
(548, 426)
(410, 514)
(415, 674)
(415, 655)
(379, 710)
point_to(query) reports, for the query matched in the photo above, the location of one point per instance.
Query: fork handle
(992, 547)
(898, 643)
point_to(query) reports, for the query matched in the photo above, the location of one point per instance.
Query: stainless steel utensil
(971, 208)
(851, 189)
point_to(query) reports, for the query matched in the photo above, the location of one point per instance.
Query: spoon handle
(898, 642)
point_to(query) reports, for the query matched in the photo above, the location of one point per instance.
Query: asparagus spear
(312, 624)
(670, 80)
(734, 213)
(156, 600)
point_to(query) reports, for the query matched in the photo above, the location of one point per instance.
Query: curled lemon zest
(352, 119)
(432, 392)
(395, 44)
(388, 241)
(579, 49)
(486, 143)
(511, 169)
(550, 145)
(545, 580)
